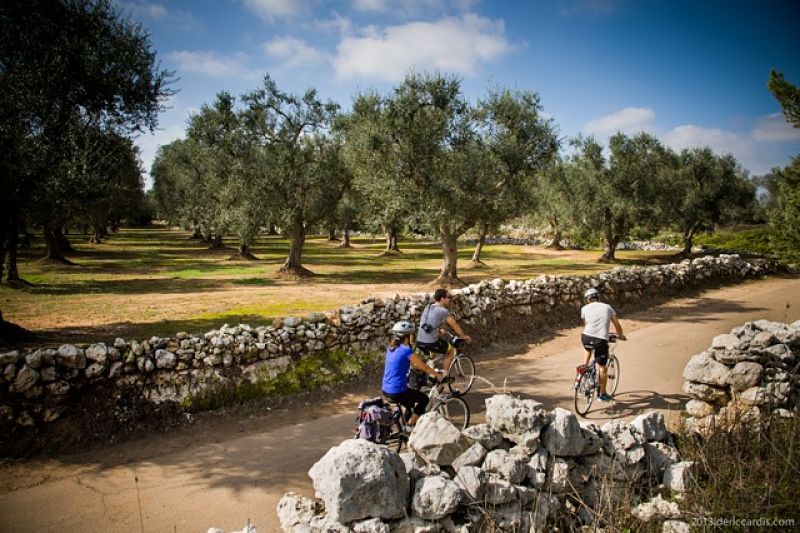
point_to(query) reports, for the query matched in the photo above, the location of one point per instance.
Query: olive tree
(298, 164)
(703, 191)
(785, 215)
(67, 69)
(520, 142)
(375, 162)
(624, 192)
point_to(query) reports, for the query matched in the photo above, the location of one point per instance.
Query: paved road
(225, 479)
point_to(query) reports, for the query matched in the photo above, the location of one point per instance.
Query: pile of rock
(647, 245)
(523, 470)
(37, 385)
(744, 374)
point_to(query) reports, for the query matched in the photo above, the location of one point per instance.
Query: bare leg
(603, 377)
(448, 359)
(413, 420)
(586, 357)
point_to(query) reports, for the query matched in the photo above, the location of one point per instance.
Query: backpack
(374, 420)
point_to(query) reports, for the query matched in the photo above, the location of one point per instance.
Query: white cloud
(758, 150)
(160, 13)
(774, 128)
(337, 23)
(269, 10)
(293, 52)
(210, 63)
(721, 141)
(371, 5)
(628, 120)
(458, 45)
(414, 8)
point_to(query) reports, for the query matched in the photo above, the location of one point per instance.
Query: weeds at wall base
(748, 470)
(313, 372)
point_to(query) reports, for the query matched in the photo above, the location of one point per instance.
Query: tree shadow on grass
(130, 286)
(136, 330)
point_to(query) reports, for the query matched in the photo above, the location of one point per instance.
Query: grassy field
(157, 281)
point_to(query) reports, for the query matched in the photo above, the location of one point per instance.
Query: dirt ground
(234, 466)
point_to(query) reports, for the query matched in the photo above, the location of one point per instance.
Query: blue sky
(691, 72)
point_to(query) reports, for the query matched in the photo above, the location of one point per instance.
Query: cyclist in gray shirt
(597, 317)
(434, 317)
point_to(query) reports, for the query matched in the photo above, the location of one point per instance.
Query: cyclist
(400, 357)
(433, 318)
(597, 317)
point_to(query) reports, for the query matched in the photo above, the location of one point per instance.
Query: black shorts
(413, 400)
(441, 346)
(598, 346)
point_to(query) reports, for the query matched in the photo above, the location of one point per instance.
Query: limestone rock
(656, 508)
(725, 341)
(436, 440)
(94, 370)
(510, 467)
(471, 480)
(295, 510)
(372, 525)
(472, 457)
(435, 497)
(702, 368)
(678, 476)
(10, 358)
(563, 436)
(706, 393)
(593, 440)
(359, 479)
(700, 409)
(559, 477)
(71, 357)
(26, 378)
(485, 435)
(651, 425)
(97, 353)
(659, 456)
(745, 375)
(520, 421)
(675, 526)
(165, 359)
(499, 491)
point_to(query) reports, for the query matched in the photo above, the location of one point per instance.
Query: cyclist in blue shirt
(400, 357)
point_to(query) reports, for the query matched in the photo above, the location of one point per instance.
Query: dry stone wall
(525, 469)
(744, 375)
(37, 387)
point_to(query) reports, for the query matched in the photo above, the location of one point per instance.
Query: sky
(693, 73)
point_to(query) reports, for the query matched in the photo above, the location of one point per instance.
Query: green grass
(155, 280)
(754, 240)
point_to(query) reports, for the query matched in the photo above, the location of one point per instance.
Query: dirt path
(240, 469)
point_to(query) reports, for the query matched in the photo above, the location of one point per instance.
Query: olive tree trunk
(294, 262)
(476, 255)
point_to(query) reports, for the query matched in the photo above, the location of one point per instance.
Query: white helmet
(591, 294)
(404, 327)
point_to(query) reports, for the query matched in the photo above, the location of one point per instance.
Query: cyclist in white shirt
(597, 317)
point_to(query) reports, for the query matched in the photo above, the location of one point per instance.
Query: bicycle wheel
(398, 436)
(612, 375)
(462, 370)
(584, 393)
(455, 410)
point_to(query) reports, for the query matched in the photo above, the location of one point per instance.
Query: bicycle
(587, 381)
(443, 399)
(462, 368)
